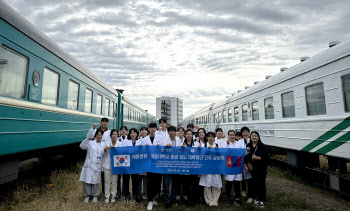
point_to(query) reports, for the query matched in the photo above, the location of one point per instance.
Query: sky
(199, 51)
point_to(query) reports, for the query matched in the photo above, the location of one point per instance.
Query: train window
(107, 102)
(214, 118)
(236, 114)
(288, 107)
(13, 71)
(346, 91)
(73, 94)
(99, 105)
(111, 109)
(50, 87)
(219, 117)
(244, 112)
(255, 109)
(88, 101)
(269, 110)
(229, 114)
(315, 100)
(224, 116)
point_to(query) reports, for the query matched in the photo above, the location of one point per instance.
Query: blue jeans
(166, 187)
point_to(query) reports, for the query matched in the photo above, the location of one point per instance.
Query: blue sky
(200, 51)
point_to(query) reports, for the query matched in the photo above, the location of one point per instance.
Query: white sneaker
(244, 194)
(185, 197)
(256, 202)
(106, 200)
(261, 204)
(113, 199)
(86, 200)
(155, 202)
(250, 200)
(94, 200)
(150, 205)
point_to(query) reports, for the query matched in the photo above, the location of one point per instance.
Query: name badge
(99, 157)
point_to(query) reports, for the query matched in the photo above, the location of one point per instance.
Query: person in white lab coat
(143, 176)
(236, 178)
(154, 180)
(220, 139)
(212, 182)
(162, 128)
(131, 141)
(91, 171)
(107, 168)
(123, 135)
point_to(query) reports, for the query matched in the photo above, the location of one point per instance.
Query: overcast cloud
(200, 51)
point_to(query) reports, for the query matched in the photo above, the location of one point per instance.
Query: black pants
(189, 187)
(236, 187)
(199, 190)
(259, 184)
(153, 185)
(135, 188)
(119, 186)
(249, 183)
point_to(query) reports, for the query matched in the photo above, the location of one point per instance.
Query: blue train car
(47, 98)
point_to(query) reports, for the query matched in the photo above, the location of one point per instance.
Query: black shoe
(238, 203)
(168, 205)
(137, 199)
(229, 202)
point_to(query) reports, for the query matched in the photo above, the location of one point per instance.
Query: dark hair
(205, 134)
(218, 129)
(245, 128)
(190, 126)
(98, 131)
(239, 134)
(259, 140)
(163, 119)
(124, 127)
(135, 130)
(152, 125)
(210, 134)
(185, 141)
(228, 133)
(112, 131)
(104, 119)
(171, 128)
(144, 128)
(180, 128)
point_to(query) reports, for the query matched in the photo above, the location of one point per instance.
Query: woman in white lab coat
(91, 171)
(235, 179)
(107, 168)
(212, 182)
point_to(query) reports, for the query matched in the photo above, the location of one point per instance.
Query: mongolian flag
(233, 161)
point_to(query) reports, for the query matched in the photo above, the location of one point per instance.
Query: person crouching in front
(91, 171)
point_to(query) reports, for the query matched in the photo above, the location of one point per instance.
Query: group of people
(192, 188)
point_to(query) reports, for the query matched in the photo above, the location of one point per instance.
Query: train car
(48, 100)
(303, 109)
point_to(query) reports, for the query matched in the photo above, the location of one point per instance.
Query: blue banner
(177, 160)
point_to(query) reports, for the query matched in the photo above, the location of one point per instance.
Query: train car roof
(325, 57)
(12, 17)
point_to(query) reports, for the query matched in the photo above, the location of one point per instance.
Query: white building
(171, 108)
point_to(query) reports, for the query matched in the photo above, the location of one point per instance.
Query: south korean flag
(121, 160)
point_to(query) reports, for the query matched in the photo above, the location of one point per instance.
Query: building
(171, 108)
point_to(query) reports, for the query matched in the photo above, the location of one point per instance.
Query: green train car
(48, 100)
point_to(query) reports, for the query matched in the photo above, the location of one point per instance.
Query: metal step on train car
(303, 109)
(47, 98)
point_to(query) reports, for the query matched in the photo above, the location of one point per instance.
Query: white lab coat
(121, 138)
(105, 138)
(107, 156)
(179, 140)
(199, 143)
(236, 144)
(157, 140)
(128, 143)
(210, 180)
(163, 134)
(176, 142)
(91, 171)
(220, 141)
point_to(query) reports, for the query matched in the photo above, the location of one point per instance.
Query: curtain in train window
(229, 114)
(315, 100)
(236, 113)
(244, 112)
(73, 94)
(13, 71)
(99, 105)
(88, 101)
(224, 116)
(111, 109)
(107, 102)
(50, 87)
(269, 111)
(288, 107)
(346, 91)
(255, 109)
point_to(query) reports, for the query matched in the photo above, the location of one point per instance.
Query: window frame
(77, 96)
(293, 103)
(92, 100)
(324, 93)
(252, 105)
(58, 87)
(272, 106)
